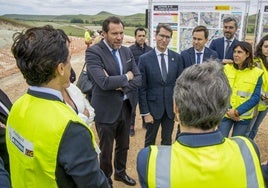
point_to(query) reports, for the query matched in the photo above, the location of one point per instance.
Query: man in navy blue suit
(159, 69)
(224, 46)
(198, 53)
(114, 74)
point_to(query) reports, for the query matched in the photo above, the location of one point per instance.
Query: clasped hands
(233, 114)
(264, 98)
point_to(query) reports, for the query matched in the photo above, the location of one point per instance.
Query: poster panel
(263, 20)
(184, 16)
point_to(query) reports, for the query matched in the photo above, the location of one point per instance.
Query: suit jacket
(188, 56)
(3, 119)
(107, 99)
(155, 95)
(218, 46)
(7, 103)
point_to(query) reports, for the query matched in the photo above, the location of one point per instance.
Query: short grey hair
(202, 95)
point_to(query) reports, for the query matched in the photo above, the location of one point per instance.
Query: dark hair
(111, 19)
(139, 29)
(258, 53)
(38, 52)
(201, 28)
(165, 26)
(230, 19)
(248, 63)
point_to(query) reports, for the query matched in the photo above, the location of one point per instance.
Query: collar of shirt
(202, 51)
(47, 90)
(158, 52)
(111, 49)
(201, 139)
(225, 39)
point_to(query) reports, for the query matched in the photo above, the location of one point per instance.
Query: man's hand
(148, 118)
(233, 114)
(2, 125)
(130, 75)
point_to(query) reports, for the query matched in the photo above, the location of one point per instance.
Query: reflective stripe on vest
(243, 94)
(162, 172)
(252, 180)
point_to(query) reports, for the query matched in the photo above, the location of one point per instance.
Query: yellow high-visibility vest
(262, 105)
(233, 163)
(243, 83)
(34, 131)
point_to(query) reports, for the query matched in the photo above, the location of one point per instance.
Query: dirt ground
(12, 82)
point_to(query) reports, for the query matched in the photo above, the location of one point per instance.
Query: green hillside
(94, 22)
(134, 20)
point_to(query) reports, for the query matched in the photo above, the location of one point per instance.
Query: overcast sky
(90, 7)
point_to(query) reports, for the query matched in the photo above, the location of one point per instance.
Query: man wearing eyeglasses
(159, 69)
(224, 45)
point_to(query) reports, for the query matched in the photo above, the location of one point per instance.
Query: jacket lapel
(154, 57)
(192, 56)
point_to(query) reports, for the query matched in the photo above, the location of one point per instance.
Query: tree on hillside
(77, 20)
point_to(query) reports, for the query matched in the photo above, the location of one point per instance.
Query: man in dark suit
(5, 106)
(114, 74)
(140, 47)
(159, 69)
(199, 52)
(224, 46)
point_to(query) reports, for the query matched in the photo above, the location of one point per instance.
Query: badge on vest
(22, 144)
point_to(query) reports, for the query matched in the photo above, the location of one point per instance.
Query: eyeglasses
(164, 36)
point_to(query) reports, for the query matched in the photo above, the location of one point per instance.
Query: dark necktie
(198, 57)
(227, 47)
(163, 67)
(117, 61)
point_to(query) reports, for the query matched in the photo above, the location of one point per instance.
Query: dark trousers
(118, 131)
(166, 133)
(135, 99)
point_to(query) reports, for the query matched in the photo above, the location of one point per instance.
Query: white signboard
(263, 21)
(184, 16)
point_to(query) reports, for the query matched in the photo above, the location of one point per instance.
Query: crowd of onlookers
(216, 95)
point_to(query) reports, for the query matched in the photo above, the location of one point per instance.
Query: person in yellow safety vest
(48, 144)
(245, 79)
(88, 38)
(201, 156)
(261, 58)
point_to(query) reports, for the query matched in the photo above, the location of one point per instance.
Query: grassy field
(92, 22)
(73, 29)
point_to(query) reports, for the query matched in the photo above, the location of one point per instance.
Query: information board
(183, 16)
(262, 23)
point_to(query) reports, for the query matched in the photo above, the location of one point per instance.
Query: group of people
(205, 89)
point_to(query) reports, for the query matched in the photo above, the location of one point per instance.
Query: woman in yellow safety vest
(261, 58)
(245, 80)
